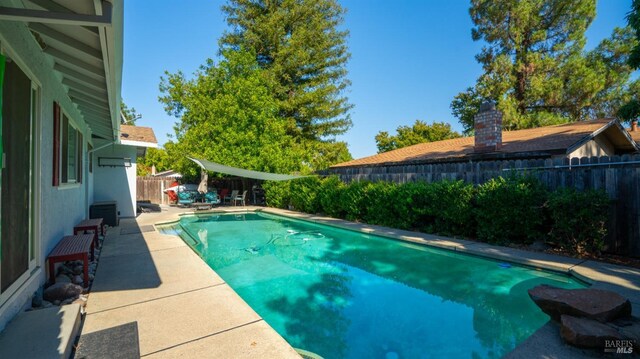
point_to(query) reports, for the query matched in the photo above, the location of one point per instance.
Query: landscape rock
(78, 280)
(61, 291)
(63, 278)
(78, 269)
(586, 333)
(67, 301)
(46, 304)
(56, 302)
(601, 305)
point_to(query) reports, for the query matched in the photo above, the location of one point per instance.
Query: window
(70, 152)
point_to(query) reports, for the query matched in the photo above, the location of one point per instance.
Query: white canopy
(240, 172)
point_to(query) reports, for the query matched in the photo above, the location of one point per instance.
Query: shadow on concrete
(116, 342)
(125, 260)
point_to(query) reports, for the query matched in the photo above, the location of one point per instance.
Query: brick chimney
(634, 126)
(488, 128)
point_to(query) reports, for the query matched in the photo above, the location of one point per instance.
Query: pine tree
(300, 45)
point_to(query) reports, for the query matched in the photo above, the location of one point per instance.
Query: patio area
(154, 297)
(154, 286)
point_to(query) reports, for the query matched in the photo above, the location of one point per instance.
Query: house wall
(116, 183)
(58, 209)
(597, 147)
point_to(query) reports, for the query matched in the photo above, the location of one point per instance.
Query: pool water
(344, 294)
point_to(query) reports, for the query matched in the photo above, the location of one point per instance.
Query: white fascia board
(139, 144)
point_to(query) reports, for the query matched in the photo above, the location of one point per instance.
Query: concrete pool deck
(181, 307)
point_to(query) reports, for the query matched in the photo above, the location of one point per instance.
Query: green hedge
(514, 209)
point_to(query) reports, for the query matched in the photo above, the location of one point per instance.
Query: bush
(450, 210)
(277, 193)
(304, 193)
(353, 200)
(377, 200)
(578, 220)
(329, 197)
(509, 210)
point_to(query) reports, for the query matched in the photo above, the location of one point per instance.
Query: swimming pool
(345, 294)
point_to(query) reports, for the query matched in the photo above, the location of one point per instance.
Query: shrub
(409, 205)
(509, 210)
(277, 193)
(449, 211)
(378, 197)
(578, 220)
(353, 200)
(304, 192)
(329, 197)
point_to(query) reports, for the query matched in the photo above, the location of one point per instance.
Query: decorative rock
(81, 300)
(61, 291)
(46, 304)
(36, 301)
(78, 269)
(67, 301)
(78, 280)
(63, 278)
(601, 305)
(56, 302)
(91, 276)
(586, 333)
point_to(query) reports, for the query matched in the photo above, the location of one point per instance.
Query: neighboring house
(602, 137)
(115, 167)
(60, 104)
(634, 131)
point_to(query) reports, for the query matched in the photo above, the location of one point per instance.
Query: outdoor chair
(240, 198)
(212, 197)
(231, 197)
(185, 198)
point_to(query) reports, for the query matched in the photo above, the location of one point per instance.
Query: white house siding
(599, 146)
(60, 208)
(116, 183)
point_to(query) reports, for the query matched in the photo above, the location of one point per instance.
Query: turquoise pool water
(344, 294)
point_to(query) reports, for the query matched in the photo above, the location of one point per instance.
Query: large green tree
(301, 47)
(630, 111)
(535, 66)
(412, 135)
(129, 114)
(228, 114)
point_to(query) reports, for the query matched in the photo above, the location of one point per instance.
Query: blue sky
(408, 58)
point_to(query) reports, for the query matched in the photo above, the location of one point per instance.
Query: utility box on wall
(107, 210)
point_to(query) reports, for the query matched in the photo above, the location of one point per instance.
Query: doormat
(116, 342)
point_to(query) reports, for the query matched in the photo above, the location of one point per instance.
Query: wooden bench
(91, 225)
(70, 248)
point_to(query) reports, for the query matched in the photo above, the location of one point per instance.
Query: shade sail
(240, 172)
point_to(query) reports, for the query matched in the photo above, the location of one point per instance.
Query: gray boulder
(586, 333)
(61, 291)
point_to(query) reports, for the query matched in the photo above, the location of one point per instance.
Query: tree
(630, 111)
(535, 66)
(299, 45)
(228, 115)
(157, 157)
(418, 133)
(130, 115)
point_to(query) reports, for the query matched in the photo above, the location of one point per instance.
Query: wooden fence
(619, 176)
(151, 189)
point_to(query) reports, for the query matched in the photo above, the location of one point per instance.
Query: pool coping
(600, 275)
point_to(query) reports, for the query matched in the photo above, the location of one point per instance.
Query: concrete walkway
(180, 307)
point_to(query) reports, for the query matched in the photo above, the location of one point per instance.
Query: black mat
(119, 342)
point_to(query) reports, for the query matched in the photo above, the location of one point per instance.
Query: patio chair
(212, 197)
(240, 198)
(185, 198)
(231, 197)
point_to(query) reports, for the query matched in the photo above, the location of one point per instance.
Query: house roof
(634, 134)
(546, 140)
(137, 136)
(83, 43)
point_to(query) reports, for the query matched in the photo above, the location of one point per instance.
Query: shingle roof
(541, 139)
(137, 133)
